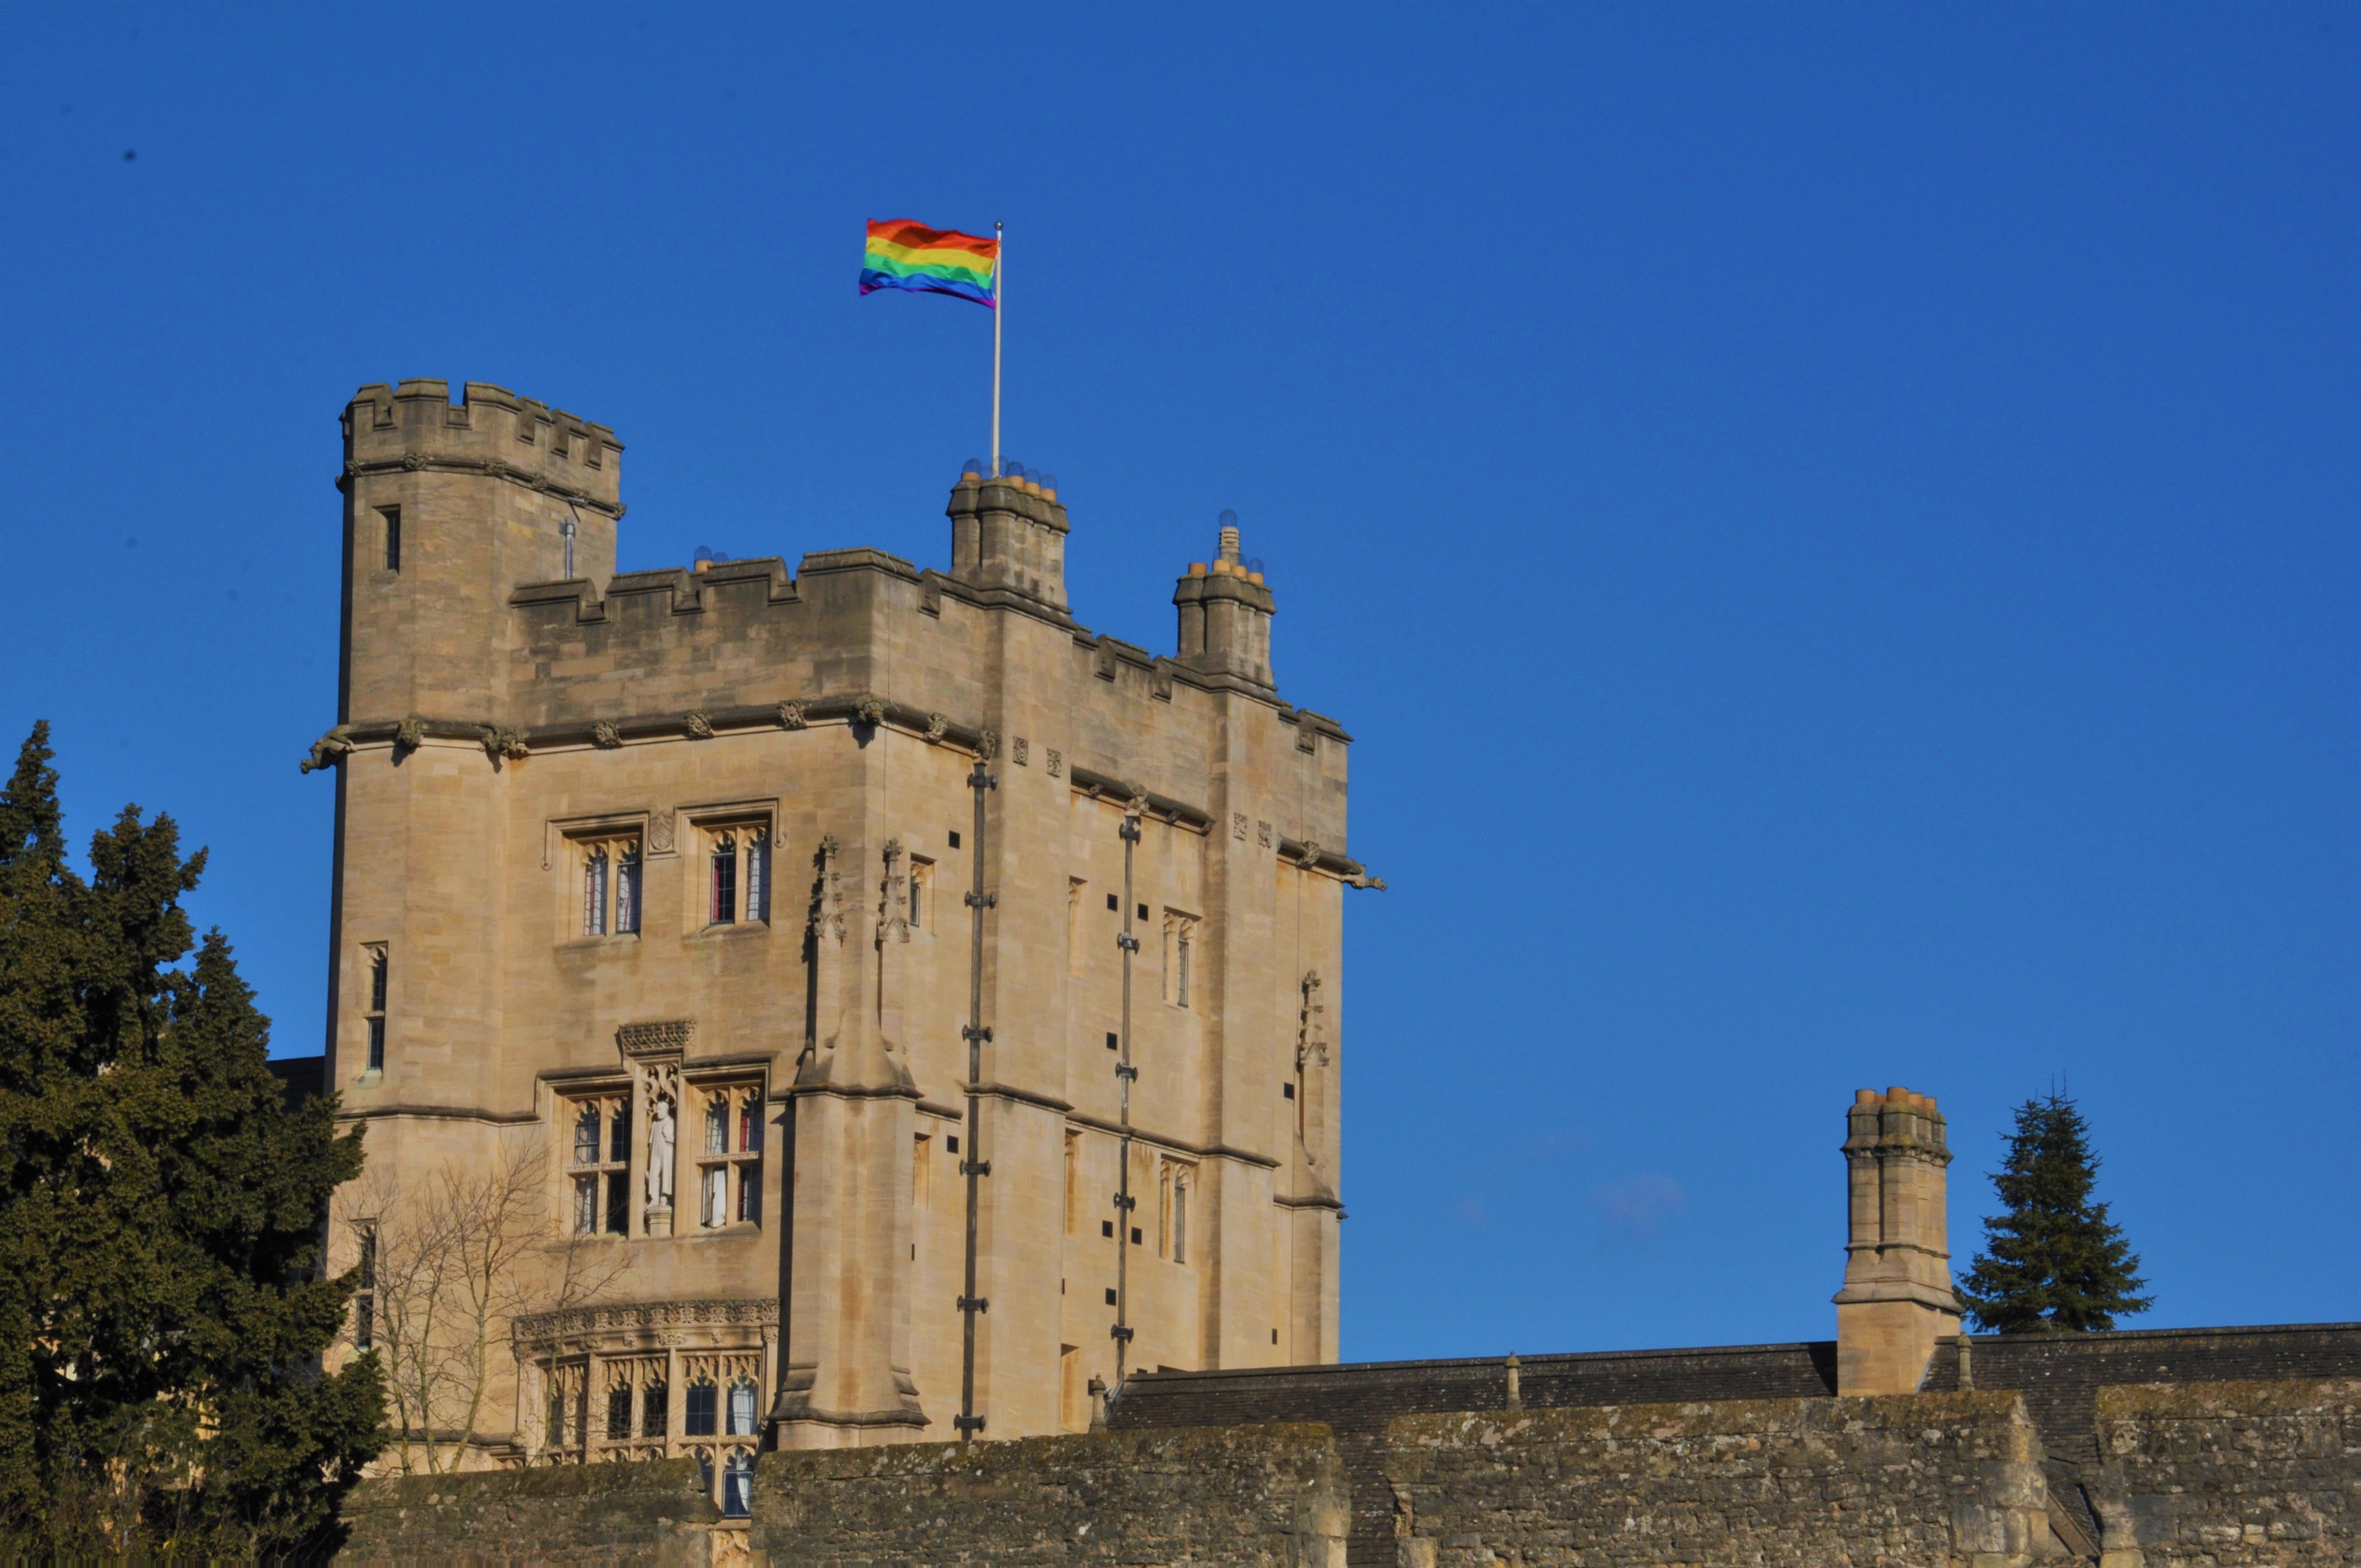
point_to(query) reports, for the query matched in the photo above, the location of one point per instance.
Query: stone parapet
(1273, 1496)
(1938, 1481)
(653, 1513)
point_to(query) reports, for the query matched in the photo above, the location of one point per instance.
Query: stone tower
(1897, 1299)
(664, 876)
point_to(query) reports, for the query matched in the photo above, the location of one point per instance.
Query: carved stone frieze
(656, 1038)
(753, 1314)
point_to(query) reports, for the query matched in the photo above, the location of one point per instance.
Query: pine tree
(2053, 1262)
(161, 1310)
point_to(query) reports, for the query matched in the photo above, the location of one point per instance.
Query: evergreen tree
(2053, 1263)
(161, 1310)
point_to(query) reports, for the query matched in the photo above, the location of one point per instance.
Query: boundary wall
(2222, 1475)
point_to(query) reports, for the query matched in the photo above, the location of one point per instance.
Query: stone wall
(1951, 1480)
(1271, 1497)
(656, 1512)
(2229, 1475)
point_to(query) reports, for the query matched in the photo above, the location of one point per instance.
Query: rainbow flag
(903, 254)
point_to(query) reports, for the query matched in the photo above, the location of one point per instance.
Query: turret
(1225, 613)
(1009, 532)
(448, 508)
(1897, 1299)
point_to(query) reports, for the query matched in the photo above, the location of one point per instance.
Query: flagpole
(999, 265)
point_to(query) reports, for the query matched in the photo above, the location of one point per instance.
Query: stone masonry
(666, 875)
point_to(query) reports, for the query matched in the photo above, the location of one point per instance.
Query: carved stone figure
(660, 1142)
(333, 747)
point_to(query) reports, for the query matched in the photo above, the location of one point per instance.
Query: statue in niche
(660, 1134)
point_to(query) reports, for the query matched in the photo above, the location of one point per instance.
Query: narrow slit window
(594, 894)
(627, 891)
(724, 907)
(655, 1411)
(379, 965)
(391, 518)
(758, 877)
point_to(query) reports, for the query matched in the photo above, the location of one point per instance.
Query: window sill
(735, 928)
(717, 1233)
(586, 944)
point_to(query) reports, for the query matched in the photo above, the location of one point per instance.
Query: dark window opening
(392, 516)
(585, 1136)
(1107, 1229)
(1112, 1043)
(703, 1412)
(1115, 904)
(558, 1418)
(364, 1323)
(618, 1414)
(653, 1410)
(737, 1484)
(725, 884)
(1287, 1090)
(1110, 1296)
(1143, 912)
(618, 1135)
(1135, 1236)
(377, 981)
(376, 1045)
(619, 1203)
(954, 837)
(368, 1257)
(951, 1146)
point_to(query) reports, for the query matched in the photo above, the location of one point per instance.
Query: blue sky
(1832, 527)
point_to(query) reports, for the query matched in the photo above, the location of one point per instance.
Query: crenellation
(743, 796)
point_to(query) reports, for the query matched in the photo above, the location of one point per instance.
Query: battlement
(1897, 1120)
(491, 431)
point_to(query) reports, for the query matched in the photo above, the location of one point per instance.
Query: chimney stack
(1897, 1299)
(1226, 610)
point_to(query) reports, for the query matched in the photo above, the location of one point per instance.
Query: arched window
(737, 1484)
(593, 893)
(700, 1411)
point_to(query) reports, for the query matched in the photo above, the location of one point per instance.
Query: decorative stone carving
(605, 736)
(938, 725)
(1365, 882)
(656, 1038)
(755, 1312)
(698, 725)
(502, 744)
(1024, 753)
(1262, 834)
(893, 898)
(869, 710)
(828, 900)
(1238, 826)
(1308, 857)
(791, 715)
(987, 744)
(410, 734)
(1056, 765)
(330, 749)
(660, 833)
(660, 1152)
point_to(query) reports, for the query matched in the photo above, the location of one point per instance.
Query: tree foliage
(2053, 1262)
(162, 1312)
